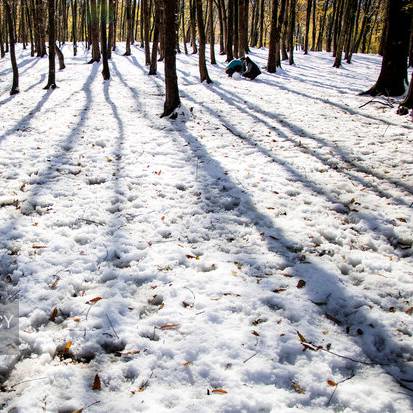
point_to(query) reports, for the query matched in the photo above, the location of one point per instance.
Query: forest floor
(249, 256)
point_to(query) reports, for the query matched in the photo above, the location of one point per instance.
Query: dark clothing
(235, 65)
(252, 70)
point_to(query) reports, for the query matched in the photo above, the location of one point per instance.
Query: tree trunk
(393, 76)
(61, 58)
(272, 60)
(103, 40)
(172, 100)
(203, 71)
(211, 32)
(10, 23)
(94, 31)
(307, 25)
(230, 30)
(291, 28)
(154, 57)
(408, 101)
(128, 27)
(51, 82)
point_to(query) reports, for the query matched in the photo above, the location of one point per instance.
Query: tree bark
(172, 100)
(94, 31)
(203, 71)
(10, 23)
(51, 82)
(103, 40)
(393, 75)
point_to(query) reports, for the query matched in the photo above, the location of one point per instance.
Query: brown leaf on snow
(169, 326)
(38, 247)
(219, 391)
(67, 346)
(279, 290)
(331, 383)
(94, 300)
(255, 333)
(54, 314)
(301, 284)
(301, 337)
(97, 385)
(297, 388)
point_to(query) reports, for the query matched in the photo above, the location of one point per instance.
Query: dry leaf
(279, 290)
(301, 284)
(297, 388)
(255, 333)
(54, 314)
(97, 385)
(219, 391)
(94, 300)
(331, 383)
(186, 363)
(76, 319)
(169, 326)
(38, 247)
(302, 338)
(67, 346)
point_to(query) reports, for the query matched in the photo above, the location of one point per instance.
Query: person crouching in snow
(236, 65)
(251, 69)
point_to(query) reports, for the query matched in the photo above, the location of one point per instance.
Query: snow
(178, 257)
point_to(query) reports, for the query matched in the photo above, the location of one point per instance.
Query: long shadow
(41, 80)
(342, 154)
(21, 64)
(341, 303)
(25, 120)
(384, 351)
(46, 177)
(373, 223)
(343, 107)
(258, 115)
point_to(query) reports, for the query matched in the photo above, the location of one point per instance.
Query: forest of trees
(166, 27)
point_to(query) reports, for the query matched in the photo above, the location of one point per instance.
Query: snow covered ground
(246, 257)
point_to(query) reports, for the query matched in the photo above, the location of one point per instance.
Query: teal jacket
(234, 64)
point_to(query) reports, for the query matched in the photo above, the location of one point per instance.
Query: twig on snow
(249, 358)
(335, 387)
(111, 325)
(388, 104)
(27, 381)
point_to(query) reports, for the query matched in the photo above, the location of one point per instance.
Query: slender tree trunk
(203, 71)
(230, 30)
(291, 29)
(172, 100)
(128, 27)
(103, 39)
(307, 25)
(146, 22)
(261, 28)
(211, 32)
(193, 13)
(60, 58)
(51, 82)
(272, 59)
(111, 31)
(10, 23)
(154, 57)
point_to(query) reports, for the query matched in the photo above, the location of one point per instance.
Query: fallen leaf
(297, 388)
(37, 247)
(67, 346)
(169, 326)
(302, 338)
(301, 284)
(255, 333)
(97, 385)
(94, 300)
(279, 290)
(54, 314)
(331, 383)
(219, 391)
